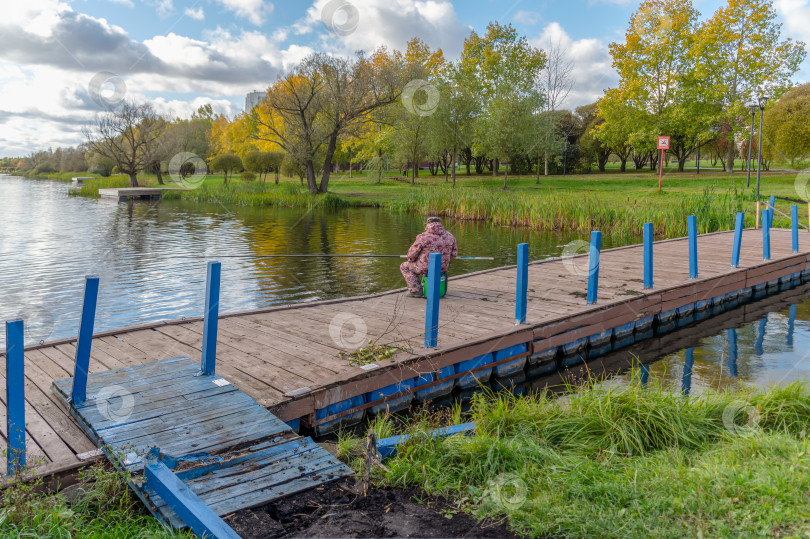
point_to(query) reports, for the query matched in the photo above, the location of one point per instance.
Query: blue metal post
(794, 222)
(522, 283)
(432, 306)
(693, 261)
(791, 324)
(732, 352)
(78, 392)
(648, 255)
(15, 396)
(771, 207)
(198, 516)
(593, 266)
(686, 382)
(210, 319)
(738, 230)
(766, 235)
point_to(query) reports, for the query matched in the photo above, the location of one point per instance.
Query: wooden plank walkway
(232, 453)
(272, 352)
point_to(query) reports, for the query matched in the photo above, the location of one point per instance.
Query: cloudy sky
(184, 53)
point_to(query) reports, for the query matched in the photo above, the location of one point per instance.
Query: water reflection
(761, 343)
(151, 258)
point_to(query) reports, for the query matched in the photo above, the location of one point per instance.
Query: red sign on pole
(663, 145)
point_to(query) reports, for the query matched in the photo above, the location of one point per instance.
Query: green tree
(227, 163)
(740, 53)
(787, 126)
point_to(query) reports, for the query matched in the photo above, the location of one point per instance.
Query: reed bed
(287, 195)
(580, 212)
(626, 461)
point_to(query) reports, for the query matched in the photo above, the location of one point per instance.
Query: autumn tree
(740, 55)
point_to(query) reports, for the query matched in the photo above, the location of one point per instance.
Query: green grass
(616, 203)
(102, 506)
(624, 462)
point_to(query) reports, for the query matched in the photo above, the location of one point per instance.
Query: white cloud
(196, 14)
(592, 65)
(253, 10)
(796, 16)
(385, 22)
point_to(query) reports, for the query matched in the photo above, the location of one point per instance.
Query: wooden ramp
(227, 449)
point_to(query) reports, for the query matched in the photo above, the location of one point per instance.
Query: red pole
(661, 168)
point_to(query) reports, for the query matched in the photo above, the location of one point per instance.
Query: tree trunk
(495, 166)
(159, 174)
(682, 162)
(413, 173)
(277, 175)
(311, 185)
(545, 167)
(505, 171)
(453, 164)
(327, 162)
(623, 165)
(133, 179)
(730, 158)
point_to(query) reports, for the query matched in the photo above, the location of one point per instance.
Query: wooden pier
(122, 194)
(291, 360)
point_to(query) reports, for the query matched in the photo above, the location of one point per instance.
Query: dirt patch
(340, 510)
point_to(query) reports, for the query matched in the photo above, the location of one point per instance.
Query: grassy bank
(100, 505)
(622, 462)
(616, 203)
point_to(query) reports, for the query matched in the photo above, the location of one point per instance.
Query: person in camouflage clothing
(435, 239)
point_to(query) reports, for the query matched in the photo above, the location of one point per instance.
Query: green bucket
(442, 285)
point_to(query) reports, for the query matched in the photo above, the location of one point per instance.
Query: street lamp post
(751, 143)
(762, 102)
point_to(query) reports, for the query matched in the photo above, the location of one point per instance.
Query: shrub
(247, 177)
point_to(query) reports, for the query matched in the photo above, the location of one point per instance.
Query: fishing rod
(323, 256)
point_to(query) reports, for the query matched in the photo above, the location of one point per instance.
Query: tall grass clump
(287, 195)
(100, 505)
(89, 188)
(579, 212)
(628, 461)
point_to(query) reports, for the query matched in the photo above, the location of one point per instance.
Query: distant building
(253, 99)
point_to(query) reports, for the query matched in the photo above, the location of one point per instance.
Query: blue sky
(182, 54)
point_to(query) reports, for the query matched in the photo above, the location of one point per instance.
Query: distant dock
(130, 193)
(81, 179)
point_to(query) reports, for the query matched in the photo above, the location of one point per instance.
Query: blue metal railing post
(693, 260)
(593, 266)
(732, 352)
(522, 283)
(648, 255)
(771, 207)
(738, 230)
(210, 319)
(432, 305)
(15, 396)
(766, 236)
(794, 222)
(78, 392)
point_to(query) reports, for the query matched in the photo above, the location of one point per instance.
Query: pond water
(151, 259)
